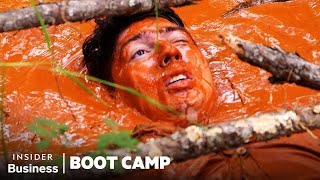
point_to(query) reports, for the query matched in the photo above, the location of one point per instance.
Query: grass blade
(23, 64)
(128, 89)
(157, 25)
(79, 83)
(43, 26)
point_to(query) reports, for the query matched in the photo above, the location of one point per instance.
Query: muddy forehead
(148, 24)
(153, 34)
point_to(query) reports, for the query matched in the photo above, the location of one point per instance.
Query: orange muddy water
(243, 90)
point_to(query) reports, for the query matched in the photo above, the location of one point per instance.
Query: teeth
(177, 78)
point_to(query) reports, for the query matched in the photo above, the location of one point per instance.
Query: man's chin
(190, 104)
(186, 99)
(185, 114)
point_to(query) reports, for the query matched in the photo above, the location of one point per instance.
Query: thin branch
(248, 4)
(284, 66)
(195, 141)
(75, 10)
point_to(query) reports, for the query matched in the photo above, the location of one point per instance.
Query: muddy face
(171, 70)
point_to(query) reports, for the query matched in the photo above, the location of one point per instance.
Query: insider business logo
(34, 166)
(45, 163)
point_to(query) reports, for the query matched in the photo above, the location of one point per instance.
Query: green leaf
(47, 122)
(53, 134)
(126, 141)
(47, 128)
(118, 167)
(122, 139)
(42, 132)
(42, 145)
(63, 128)
(111, 123)
(104, 141)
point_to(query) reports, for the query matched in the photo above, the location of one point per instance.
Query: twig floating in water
(284, 66)
(248, 4)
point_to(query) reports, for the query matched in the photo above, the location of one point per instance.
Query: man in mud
(159, 58)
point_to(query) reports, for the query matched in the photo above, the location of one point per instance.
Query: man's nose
(167, 53)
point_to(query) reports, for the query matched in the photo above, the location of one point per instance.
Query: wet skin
(175, 74)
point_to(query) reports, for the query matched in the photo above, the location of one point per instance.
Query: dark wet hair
(98, 49)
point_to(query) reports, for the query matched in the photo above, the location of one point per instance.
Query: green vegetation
(2, 113)
(128, 89)
(79, 83)
(23, 64)
(47, 129)
(43, 26)
(120, 139)
(157, 24)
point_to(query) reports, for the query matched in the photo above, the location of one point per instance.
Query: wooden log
(78, 10)
(248, 4)
(195, 141)
(284, 66)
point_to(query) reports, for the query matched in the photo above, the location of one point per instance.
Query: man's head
(157, 58)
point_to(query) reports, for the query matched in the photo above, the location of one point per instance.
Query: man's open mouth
(177, 78)
(179, 81)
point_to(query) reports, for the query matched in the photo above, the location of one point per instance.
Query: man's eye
(180, 42)
(139, 53)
